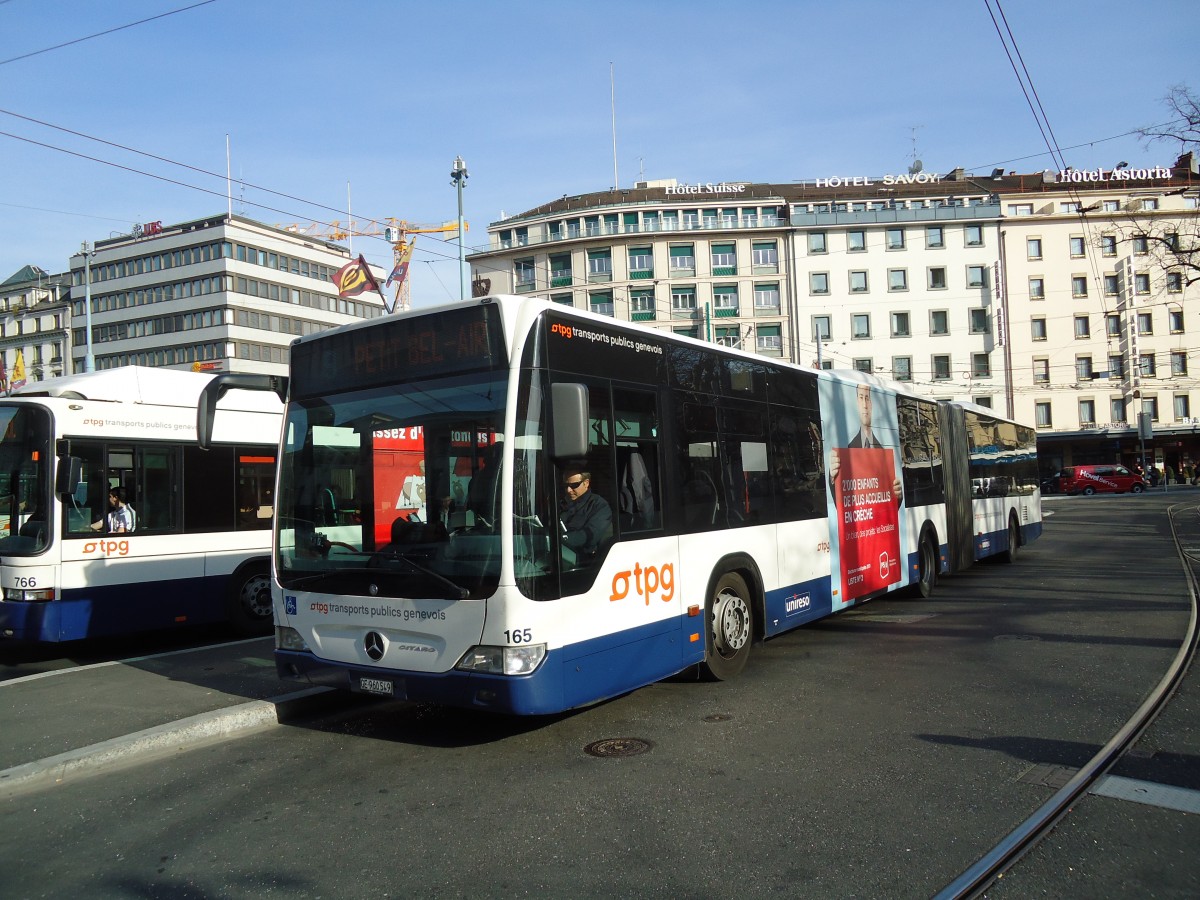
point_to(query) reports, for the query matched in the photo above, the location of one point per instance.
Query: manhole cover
(617, 747)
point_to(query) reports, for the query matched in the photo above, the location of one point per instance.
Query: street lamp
(458, 178)
(89, 358)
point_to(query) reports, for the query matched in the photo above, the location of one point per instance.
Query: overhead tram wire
(80, 40)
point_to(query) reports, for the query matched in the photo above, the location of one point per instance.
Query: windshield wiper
(462, 592)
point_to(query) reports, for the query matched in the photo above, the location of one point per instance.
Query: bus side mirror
(570, 407)
(206, 408)
(68, 476)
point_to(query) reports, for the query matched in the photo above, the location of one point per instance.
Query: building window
(935, 237)
(818, 283)
(980, 323)
(1112, 206)
(937, 278)
(600, 264)
(765, 256)
(983, 401)
(1087, 412)
(601, 303)
(1141, 245)
(1037, 289)
(1077, 246)
(683, 259)
(817, 242)
(860, 326)
(641, 262)
(1108, 245)
(1020, 209)
(1146, 365)
(1079, 286)
(641, 305)
(766, 296)
(858, 282)
(897, 279)
(1033, 248)
(1112, 325)
(902, 368)
(1149, 203)
(1174, 282)
(1145, 323)
(1083, 327)
(1175, 318)
(1042, 414)
(683, 300)
(1179, 362)
(769, 339)
(900, 324)
(1141, 284)
(1037, 328)
(1083, 368)
(1041, 370)
(1116, 366)
(856, 241)
(895, 239)
(821, 328)
(941, 367)
(724, 259)
(728, 336)
(1116, 409)
(1112, 285)
(977, 276)
(974, 235)
(524, 276)
(725, 299)
(864, 365)
(1183, 408)
(1071, 207)
(1150, 406)
(939, 322)
(981, 365)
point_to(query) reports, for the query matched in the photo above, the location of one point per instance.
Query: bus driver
(586, 517)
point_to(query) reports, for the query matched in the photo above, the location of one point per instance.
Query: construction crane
(395, 231)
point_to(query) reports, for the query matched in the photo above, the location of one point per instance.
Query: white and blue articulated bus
(430, 545)
(194, 546)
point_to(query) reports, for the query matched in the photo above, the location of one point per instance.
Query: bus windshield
(24, 480)
(394, 491)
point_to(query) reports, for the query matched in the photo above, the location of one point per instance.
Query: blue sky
(376, 98)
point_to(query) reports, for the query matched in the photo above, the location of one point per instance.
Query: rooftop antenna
(916, 165)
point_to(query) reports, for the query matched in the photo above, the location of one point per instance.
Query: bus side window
(639, 478)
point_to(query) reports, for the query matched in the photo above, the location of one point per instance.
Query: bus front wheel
(1014, 541)
(730, 628)
(250, 609)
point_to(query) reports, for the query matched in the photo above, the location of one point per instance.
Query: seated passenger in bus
(121, 518)
(586, 516)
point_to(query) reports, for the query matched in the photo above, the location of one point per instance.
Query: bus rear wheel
(249, 601)
(927, 563)
(730, 629)
(1014, 541)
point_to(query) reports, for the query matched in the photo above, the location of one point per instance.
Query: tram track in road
(1184, 521)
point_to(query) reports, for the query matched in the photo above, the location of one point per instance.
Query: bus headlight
(289, 639)
(503, 660)
(15, 595)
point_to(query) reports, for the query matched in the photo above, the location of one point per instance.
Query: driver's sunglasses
(573, 485)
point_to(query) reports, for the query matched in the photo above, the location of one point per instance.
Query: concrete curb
(174, 736)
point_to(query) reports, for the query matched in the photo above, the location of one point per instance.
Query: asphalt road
(875, 754)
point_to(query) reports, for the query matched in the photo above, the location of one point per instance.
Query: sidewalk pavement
(62, 723)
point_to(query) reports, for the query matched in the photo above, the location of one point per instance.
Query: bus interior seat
(700, 500)
(638, 510)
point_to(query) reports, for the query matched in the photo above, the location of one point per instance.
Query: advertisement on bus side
(865, 490)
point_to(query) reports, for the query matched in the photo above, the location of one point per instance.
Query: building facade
(1048, 296)
(35, 318)
(223, 293)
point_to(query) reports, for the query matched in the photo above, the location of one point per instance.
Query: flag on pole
(404, 252)
(354, 278)
(18, 375)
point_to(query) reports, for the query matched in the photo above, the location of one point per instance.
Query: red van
(1110, 479)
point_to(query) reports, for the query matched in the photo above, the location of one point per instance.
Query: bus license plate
(378, 686)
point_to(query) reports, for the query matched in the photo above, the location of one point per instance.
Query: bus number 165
(519, 636)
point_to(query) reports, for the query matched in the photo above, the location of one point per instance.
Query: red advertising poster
(868, 522)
